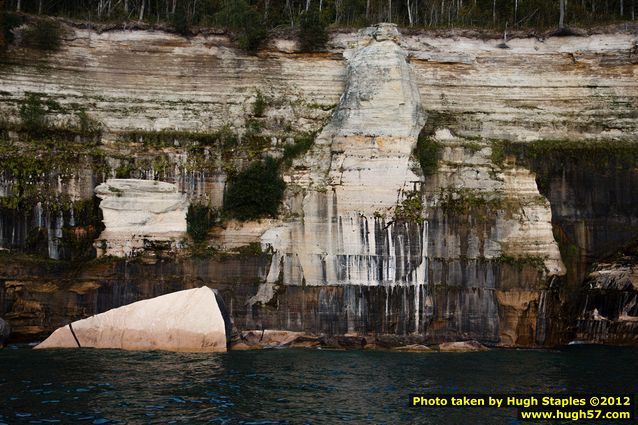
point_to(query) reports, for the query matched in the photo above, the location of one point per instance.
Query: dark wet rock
(343, 342)
(5, 332)
(393, 341)
(608, 311)
(614, 277)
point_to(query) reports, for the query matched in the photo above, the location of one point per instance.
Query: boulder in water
(188, 321)
(462, 346)
(413, 348)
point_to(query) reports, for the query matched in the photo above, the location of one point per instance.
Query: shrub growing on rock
(427, 152)
(33, 114)
(8, 21)
(303, 143)
(199, 219)
(259, 107)
(43, 35)
(255, 192)
(86, 124)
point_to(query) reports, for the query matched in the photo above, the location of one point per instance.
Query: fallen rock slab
(185, 321)
(413, 348)
(267, 338)
(462, 346)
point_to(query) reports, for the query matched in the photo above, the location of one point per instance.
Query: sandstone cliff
(487, 234)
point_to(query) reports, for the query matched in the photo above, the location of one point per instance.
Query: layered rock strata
(374, 236)
(474, 260)
(139, 215)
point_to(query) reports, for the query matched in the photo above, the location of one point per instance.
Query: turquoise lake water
(291, 386)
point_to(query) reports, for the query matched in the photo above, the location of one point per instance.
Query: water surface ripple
(88, 386)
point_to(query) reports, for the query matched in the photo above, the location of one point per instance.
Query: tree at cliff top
(251, 18)
(240, 17)
(181, 21)
(312, 32)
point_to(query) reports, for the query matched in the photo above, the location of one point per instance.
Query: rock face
(189, 321)
(140, 213)
(376, 237)
(553, 88)
(360, 166)
(608, 309)
(5, 331)
(367, 242)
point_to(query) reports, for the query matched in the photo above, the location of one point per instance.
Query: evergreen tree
(312, 33)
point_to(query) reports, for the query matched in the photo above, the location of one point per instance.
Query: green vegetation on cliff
(597, 154)
(43, 34)
(199, 219)
(255, 192)
(35, 171)
(548, 157)
(36, 110)
(428, 153)
(225, 137)
(463, 201)
(302, 144)
(411, 209)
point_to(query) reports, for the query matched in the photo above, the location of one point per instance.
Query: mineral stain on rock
(373, 268)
